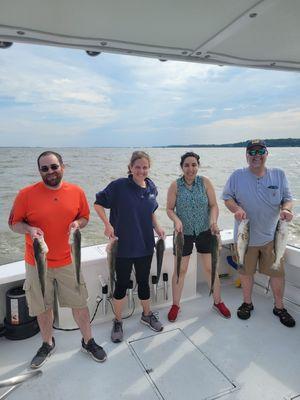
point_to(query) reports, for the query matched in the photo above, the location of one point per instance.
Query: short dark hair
(48, 153)
(189, 154)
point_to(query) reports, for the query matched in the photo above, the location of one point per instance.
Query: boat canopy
(251, 33)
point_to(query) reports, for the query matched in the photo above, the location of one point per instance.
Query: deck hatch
(178, 369)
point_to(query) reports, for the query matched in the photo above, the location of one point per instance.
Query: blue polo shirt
(260, 198)
(131, 208)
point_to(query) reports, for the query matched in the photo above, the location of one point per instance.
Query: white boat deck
(200, 356)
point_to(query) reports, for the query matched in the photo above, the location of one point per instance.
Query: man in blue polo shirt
(261, 195)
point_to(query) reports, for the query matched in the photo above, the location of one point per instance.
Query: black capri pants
(142, 266)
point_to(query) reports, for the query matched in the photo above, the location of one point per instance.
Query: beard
(53, 180)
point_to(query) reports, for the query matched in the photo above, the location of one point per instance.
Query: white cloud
(266, 125)
(204, 113)
(52, 82)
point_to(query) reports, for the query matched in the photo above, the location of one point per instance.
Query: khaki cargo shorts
(68, 293)
(261, 258)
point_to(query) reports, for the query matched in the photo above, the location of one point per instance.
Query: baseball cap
(256, 142)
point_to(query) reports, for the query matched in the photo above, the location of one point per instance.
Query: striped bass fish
(242, 241)
(178, 247)
(75, 243)
(216, 246)
(40, 249)
(160, 249)
(280, 242)
(111, 250)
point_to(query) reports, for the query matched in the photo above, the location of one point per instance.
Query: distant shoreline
(270, 143)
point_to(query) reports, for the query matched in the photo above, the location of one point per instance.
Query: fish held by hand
(40, 249)
(243, 237)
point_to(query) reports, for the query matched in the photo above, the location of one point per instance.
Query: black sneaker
(94, 350)
(43, 353)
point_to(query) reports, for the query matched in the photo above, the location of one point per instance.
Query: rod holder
(154, 287)
(165, 281)
(130, 294)
(104, 299)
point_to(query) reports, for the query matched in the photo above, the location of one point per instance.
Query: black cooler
(18, 324)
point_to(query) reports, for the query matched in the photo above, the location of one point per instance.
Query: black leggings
(142, 266)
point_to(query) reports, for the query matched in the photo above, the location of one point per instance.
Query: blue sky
(61, 97)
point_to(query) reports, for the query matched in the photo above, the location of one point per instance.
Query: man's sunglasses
(45, 168)
(260, 152)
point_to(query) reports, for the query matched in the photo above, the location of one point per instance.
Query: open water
(94, 168)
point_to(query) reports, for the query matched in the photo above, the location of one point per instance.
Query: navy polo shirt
(131, 208)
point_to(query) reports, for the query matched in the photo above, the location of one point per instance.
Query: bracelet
(286, 209)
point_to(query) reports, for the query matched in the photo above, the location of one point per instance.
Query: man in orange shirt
(50, 208)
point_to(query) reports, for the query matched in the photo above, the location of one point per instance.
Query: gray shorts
(68, 293)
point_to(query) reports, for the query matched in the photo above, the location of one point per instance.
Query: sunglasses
(260, 152)
(45, 168)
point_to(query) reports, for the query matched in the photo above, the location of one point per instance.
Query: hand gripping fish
(280, 242)
(160, 248)
(111, 250)
(242, 241)
(75, 243)
(40, 250)
(178, 247)
(216, 246)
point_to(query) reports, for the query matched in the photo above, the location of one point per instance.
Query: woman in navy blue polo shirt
(132, 203)
(193, 208)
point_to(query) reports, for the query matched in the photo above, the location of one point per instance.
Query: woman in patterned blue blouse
(192, 206)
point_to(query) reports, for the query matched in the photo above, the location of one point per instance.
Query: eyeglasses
(260, 152)
(45, 168)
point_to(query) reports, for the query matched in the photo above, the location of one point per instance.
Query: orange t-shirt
(52, 211)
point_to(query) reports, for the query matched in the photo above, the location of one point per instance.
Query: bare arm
(79, 223)
(213, 205)
(108, 230)
(171, 202)
(23, 228)
(160, 231)
(238, 212)
(286, 211)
